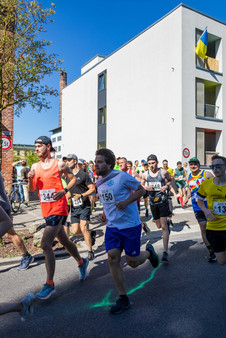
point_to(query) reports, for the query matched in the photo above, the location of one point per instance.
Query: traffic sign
(6, 142)
(186, 152)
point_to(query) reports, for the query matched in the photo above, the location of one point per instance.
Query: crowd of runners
(74, 187)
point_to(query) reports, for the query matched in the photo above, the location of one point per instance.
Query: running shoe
(83, 269)
(46, 292)
(146, 213)
(25, 262)
(154, 258)
(90, 255)
(212, 257)
(27, 306)
(121, 305)
(165, 257)
(93, 236)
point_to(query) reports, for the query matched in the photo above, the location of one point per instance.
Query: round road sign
(186, 152)
(6, 142)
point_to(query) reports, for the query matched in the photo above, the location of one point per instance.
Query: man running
(26, 259)
(80, 203)
(214, 190)
(45, 176)
(158, 182)
(180, 180)
(194, 180)
(118, 193)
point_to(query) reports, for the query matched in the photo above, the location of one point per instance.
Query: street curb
(38, 257)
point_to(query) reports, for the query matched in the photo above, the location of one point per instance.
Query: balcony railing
(211, 110)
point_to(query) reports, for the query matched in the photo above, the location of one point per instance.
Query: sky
(83, 29)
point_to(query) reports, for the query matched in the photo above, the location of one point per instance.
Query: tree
(24, 61)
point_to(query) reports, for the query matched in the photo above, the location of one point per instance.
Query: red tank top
(47, 181)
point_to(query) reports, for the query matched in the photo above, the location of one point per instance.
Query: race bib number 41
(219, 208)
(107, 196)
(47, 195)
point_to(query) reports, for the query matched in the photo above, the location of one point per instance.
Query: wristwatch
(66, 190)
(82, 196)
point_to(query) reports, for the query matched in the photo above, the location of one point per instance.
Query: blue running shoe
(83, 269)
(46, 292)
(27, 307)
(25, 262)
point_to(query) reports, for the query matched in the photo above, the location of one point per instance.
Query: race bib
(156, 185)
(107, 196)
(76, 203)
(47, 195)
(219, 208)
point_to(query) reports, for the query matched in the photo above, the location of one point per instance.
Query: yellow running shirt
(216, 202)
(170, 171)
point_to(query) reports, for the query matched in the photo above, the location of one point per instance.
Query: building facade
(152, 95)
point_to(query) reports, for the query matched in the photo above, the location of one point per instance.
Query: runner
(195, 178)
(158, 182)
(180, 180)
(171, 191)
(45, 176)
(146, 196)
(119, 192)
(80, 204)
(214, 190)
(26, 258)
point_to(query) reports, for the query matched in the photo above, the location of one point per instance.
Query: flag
(201, 47)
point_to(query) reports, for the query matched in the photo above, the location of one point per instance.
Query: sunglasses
(217, 166)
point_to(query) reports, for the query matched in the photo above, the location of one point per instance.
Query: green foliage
(24, 61)
(31, 158)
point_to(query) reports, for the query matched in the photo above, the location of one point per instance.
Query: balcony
(211, 64)
(211, 110)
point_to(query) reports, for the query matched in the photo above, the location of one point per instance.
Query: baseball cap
(145, 163)
(80, 161)
(152, 157)
(45, 140)
(73, 156)
(194, 159)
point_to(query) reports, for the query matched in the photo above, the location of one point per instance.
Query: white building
(56, 139)
(152, 95)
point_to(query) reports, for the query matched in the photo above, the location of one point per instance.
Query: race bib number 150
(47, 195)
(107, 196)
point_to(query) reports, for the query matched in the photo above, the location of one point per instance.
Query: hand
(209, 216)
(58, 195)
(103, 218)
(31, 174)
(76, 197)
(149, 188)
(164, 188)
(121, 205)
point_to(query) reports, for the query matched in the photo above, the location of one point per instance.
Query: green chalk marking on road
(106, 301)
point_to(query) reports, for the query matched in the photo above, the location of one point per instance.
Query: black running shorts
(160, 210)
(200, 216)
(217, 239)
(80, 214)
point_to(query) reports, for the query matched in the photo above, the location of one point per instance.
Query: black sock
(26, 255)
(124, 297)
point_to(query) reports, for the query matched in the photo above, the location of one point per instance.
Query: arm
(209, 216)
(63, 168)
(208, 175)
(187, 196)
(87, 193)
(167, 177)
(31, 175)
(132, 198)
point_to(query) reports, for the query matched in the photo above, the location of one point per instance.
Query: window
(58, 138)
(207, 141)
(54, 139)
(59, 148)
(58, 156)
(18, 153)
(102, 116)
(102, 81)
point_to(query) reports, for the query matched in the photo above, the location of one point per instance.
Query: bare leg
(67, 230)
(75, 229)
(114, 258)
(69, 245)
(17, 241)
(162, 223)
(10, 307)
(221, 257)
(137, 260)
(203, 233)
(86, 234)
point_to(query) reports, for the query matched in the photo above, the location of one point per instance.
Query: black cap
(73, 156)
(45, 140)
(152, 157)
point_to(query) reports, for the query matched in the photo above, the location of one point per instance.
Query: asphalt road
(184, 298)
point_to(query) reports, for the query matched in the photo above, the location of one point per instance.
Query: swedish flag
(201, 47)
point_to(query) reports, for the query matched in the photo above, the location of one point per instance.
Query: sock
(80, 262)
(123, 297)
(181, 201)
(50, 282)
(26, 255)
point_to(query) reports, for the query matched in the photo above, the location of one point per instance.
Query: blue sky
(82, 29)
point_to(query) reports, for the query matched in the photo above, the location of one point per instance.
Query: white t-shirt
(114, 188)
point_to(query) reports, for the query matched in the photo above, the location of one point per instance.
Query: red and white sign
(186, 152)
(6, 142)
